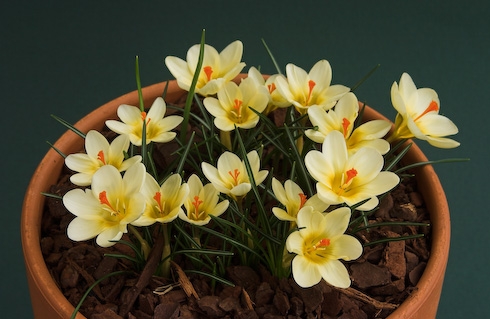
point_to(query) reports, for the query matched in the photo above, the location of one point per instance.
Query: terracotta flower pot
(48, 301)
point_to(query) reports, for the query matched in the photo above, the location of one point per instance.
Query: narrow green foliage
(389, 239)
(69, 126)
(56, 149)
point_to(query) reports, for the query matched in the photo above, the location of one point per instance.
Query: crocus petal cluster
(163, 203)
(234, 103)
(342, 119)
(158, 126)
(304, 89)
(318, 244)
(292, 197)
(230, 176)
(418, 114)
(217, 68)
(349, 179)
(99, 153)
(202, 202)
(276, 100)
(108, 207)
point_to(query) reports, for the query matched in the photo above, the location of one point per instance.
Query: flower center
(234, 175)
(101, 157)
(196, 203)
(160, 205)
(349, 176)
(105, 201)
(208, 71)
(433, 107)
(271, 87)
(237, 106)
(345, 126)
(318, 252)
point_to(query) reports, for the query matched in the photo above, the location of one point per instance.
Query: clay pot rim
(69, 142)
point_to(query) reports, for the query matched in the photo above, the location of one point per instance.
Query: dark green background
(68, 57)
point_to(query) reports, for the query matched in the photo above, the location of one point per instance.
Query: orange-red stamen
(104, 200)
(433, 107)
(345, 126)
(350, 175)
(271, 87)
(321, 245)
(101, 157)
(208, 70)
(196, 203)
(234, 175)
(302, 198)
(158, 198)
(311, 85)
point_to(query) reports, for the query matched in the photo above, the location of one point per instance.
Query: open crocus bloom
(202, 202)
(230, 176)
(342, 119)
(276, 100)
(158, 126)
(292, 197)
(318, 244)
(163, 203)
(234, 105)
(99, 153)
(108, 207)
(217, 68)
(349, 179)
(418, 115)
(306, 89)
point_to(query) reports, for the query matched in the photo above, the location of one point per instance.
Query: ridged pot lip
(50, 167)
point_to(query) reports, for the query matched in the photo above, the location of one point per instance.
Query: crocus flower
(292, 197)
(230, 176)
(348, 179)
(234, 105)
(318, 244)
(418, 115)
(99, 153)
(217, 68)
(276, 100)
(342, 118)
(163, 203)
(202, 202)
(306, 89)
(158, 127)
(108, 207)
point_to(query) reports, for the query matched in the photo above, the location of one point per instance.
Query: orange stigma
(158, 198)
(101, 157)
(433, 107)
(234, 175)
(196, 203)
(208, 70)
(345, 126)
(350, 175)
(302, 198)
(271, 87)
(311, 85)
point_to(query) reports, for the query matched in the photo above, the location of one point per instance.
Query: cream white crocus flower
(349, 179)
(108, 207)
(163, 203)
(217, 68)
(276, 100)
(230, 176)
(99, 153)
(234, 103)
(342, 119)
(418, 115)
(318, 244)
(158, 126)
(304, 89)
(202, 202)
(292, 197)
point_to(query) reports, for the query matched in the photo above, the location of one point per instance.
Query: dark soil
(383, 277)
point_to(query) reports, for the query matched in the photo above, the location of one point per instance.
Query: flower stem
(225, 137)
(144, 244)
(166, 252)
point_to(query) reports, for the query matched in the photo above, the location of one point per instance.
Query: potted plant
(274, 172)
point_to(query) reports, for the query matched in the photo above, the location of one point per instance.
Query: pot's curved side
(423, 302)
(47, 300)
(49, 303)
